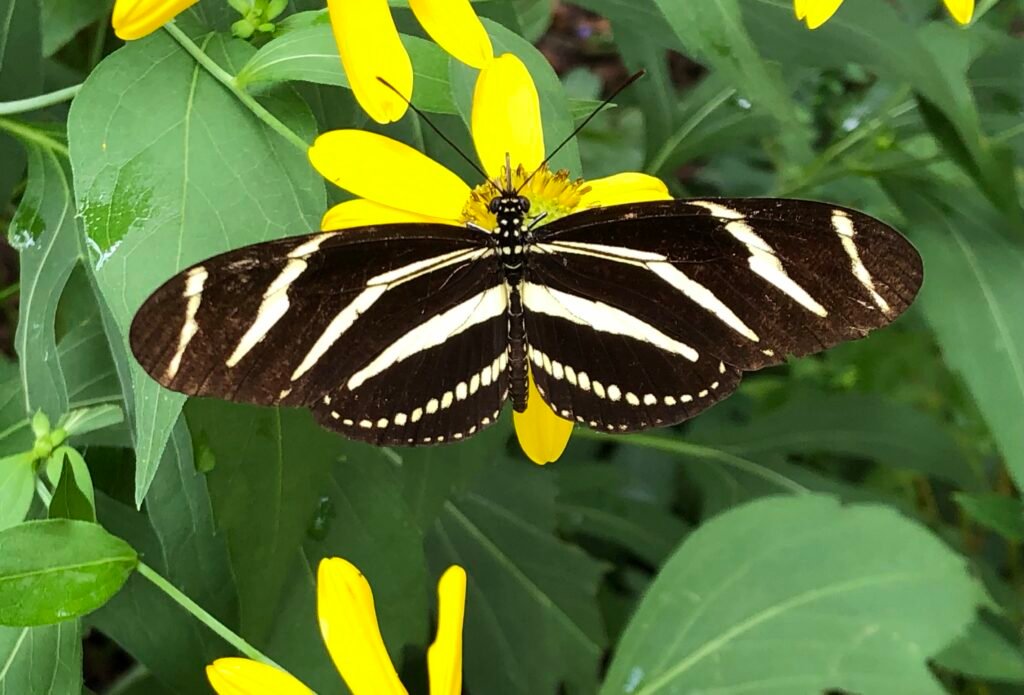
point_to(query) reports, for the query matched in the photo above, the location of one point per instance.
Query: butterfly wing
(684, 295)
(365, 326)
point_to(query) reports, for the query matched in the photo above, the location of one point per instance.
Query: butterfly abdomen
(518, 384)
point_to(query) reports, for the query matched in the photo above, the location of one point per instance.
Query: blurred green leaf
(971, 299)
(84, 420)
(58, 569)
(46, 232)
(21, 76)
(62, 19)
(310, 54)
(1004, 515)
(811, 596)
(845, 424)
(17, 488)
(191, 175)
(531, 607)
(41, 660)
(984, 652)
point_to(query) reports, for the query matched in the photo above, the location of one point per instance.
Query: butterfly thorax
(512, 227)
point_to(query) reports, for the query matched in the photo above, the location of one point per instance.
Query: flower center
(552, 193)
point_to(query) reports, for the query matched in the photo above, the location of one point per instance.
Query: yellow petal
(246, 677)
(444, 658)
(134, 19)
(506, 117)
(370, 48)
(349, 627)
(542, 435)
(361, 212)
(815, 12)
(627, 187)
(962, 10)
(455, 27)
(388, 172)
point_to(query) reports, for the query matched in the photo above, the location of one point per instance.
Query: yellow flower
(134, 19)
(348, 623)
(370, 48)
(396, 183)
(817, 12)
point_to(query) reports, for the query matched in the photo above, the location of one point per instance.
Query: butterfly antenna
(508, 171)
(438, 131)
(633, 78)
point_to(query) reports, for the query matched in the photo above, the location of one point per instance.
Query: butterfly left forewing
(294, 320)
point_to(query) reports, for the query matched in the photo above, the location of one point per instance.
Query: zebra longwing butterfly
(629, 317)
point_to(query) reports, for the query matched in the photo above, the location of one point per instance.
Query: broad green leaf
(144, 621)
(89, 371)
(972, 299)
(531, 609)
(269, 468)
(850, 424)
(46, 232)
(715, 34)
(191, 175)
(311, 55)
(17, 488)
(41, 660)
(363, 518)
(58, 569)
(985, 652)
(534, 17)
(73, 497)
(1004, 515)
(21, 76)
(62, 19)
(554, 105)
(810, 596)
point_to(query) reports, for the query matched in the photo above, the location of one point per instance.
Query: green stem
(228, 81)
(9, 108)
(27, 132)
(204, 617)
(674, 446)
(9, 291)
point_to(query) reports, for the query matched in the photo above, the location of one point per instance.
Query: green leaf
(972, 300)
(85, 420)
(847, 424)
(363, 518)
(17, 488)
(21, 76)
(272, 460)
(810, 596)
(73, 497)
(985, 652)
(58, 569)
(554, 105)
(1004, 515)
(531, 610)
(46, 232)
(191, 175)
(310, 54)
(41, 660)
(62, 19)
(85, 352)
(715, 34)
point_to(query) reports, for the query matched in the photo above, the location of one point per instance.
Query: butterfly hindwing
(294, 320)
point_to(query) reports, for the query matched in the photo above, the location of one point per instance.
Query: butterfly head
(510, 210)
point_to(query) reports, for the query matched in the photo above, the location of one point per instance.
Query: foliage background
(850, 521)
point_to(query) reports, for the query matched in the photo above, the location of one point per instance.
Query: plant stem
(674, 446)
(27, 132)
(204, 617)
(9, 108)
(228, 81)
